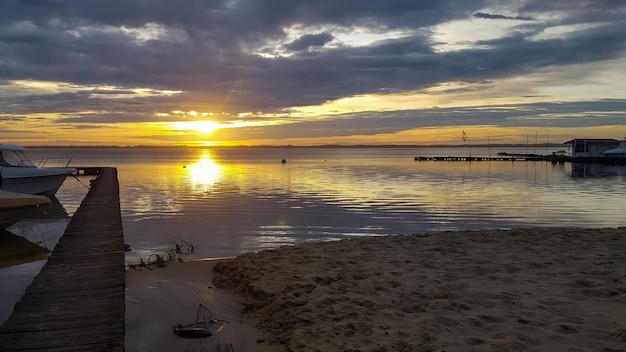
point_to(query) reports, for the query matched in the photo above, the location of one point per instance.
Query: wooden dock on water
(506, 157)
(514, 157)
(87, 170)
(76, 303)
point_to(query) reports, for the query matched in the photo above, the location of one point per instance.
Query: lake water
(227, 201)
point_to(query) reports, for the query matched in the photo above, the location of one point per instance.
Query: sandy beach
(515, 290)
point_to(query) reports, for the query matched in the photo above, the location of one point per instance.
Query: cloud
(502, 17)
(310, 40)
(206, 47)
(11, 118)
(526, 116)
(229, 56)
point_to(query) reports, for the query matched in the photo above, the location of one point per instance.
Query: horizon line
(140, 146)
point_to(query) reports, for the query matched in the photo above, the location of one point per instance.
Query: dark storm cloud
(309, 40)
(576, 11)
(209, 49)
(502, 17)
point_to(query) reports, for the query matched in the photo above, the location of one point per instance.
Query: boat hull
(12, 216)
(616, 153)
(34, 181)
(16, 206)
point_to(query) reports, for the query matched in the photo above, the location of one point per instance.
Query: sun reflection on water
(204, 173)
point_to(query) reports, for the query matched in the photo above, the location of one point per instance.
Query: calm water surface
(236, 200)
(227, 201)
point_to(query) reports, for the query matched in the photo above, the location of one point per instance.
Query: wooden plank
(96, 347)
(66, 301)
(59, 338)
(60, 322)
(98, 311)
(77, 300)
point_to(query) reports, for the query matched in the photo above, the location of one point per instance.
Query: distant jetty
(555, 159)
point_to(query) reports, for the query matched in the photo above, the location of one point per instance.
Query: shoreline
(521, 289)
(159, 298)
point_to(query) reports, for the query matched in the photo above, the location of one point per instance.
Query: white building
(591, 147)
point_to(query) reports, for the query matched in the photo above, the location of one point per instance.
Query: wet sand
(517, 290)
(160, 298)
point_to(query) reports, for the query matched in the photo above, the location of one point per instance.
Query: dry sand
(517, 290)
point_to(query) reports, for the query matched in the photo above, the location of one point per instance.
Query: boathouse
(591, 147)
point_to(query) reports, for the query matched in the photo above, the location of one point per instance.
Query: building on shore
(591, 147)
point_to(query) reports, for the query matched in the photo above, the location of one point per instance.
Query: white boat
(19, 174)
(16, 206)
(619, 152)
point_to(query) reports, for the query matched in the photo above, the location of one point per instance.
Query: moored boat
(619, 152)
(17, 206)
(19, 174)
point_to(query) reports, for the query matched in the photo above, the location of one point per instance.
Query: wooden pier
(87, 170)
(507, 157)
(76, 303)
(514, 157)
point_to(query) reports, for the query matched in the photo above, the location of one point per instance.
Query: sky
(303, 72)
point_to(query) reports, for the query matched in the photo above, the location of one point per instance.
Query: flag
(464, 136)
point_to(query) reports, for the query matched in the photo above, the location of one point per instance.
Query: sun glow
(205, 126)
(205, 172)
